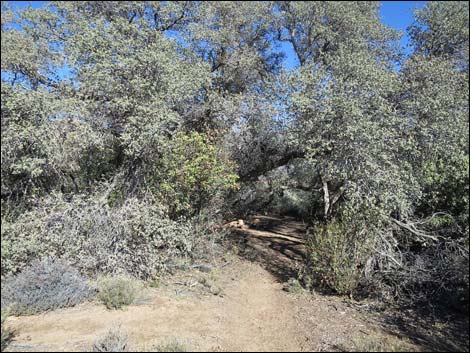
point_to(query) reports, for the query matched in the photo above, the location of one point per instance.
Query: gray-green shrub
(46, 284)
(135, 237)
(118, 291)
(115, 340)
(6, 333)
(170, 347)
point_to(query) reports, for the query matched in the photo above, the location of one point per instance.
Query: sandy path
(254, 314)
(251, 312)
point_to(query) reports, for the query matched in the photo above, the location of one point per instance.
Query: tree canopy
(187, 104)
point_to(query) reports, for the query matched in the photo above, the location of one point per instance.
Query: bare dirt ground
(237, 304)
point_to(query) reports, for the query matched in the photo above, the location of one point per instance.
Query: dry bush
(115, 340)
(397, 262)
(410, 270)
(135, 237)
(44, 285)
(173, 346)
(6, 333)
(379, 343)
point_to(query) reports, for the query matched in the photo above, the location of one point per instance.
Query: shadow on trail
(277, 243)
(435, 331)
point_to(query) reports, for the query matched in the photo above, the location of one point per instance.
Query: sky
(399, 15)
(396, 14)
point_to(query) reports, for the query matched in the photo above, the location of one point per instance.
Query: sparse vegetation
(294, 286)
(173, 346)
(44, 285)
(118, 291)
(6, 333)
(380, 343)
(114, 340)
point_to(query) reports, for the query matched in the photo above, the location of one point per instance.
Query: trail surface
(240, 305)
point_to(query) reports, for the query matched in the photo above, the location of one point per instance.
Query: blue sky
(396, 14)
(399, 15)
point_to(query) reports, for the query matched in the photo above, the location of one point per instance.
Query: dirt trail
(253, 314)
(276, 243)
(247, 311)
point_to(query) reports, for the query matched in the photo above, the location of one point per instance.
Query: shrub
(115, 340)
(191, 173)
(135, 237)
(6, 333)
(117, 292)
(336, 255)
(435, 272)
(170, 347)
(379, 343)
(293, 286)
(44, 285)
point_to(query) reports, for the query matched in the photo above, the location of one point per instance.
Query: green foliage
(192, 173)
(436, 87)
(128, 84)
(40, 153)
(441, 28)
(352, 137)
(446, 189)
(118, 291)
(234, 40)
(123, 143)
(337, 253)
(394, 144)
(320, 28)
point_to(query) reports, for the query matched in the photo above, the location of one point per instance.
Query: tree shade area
(131, 131)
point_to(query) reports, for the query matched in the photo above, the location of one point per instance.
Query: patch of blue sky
(399, 15)
(20, 5)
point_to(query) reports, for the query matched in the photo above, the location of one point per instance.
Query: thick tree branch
(270, 165)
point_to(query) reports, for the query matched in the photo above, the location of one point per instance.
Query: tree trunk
(326, 196)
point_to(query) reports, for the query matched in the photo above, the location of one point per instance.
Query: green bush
(336, 255)
(446, 187)
(118, 291)
(191, 173)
